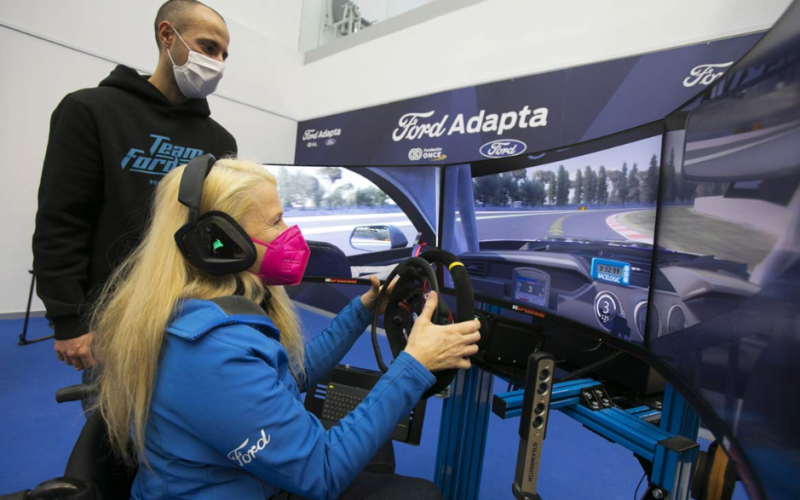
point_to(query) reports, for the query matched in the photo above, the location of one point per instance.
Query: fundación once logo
(503, 147)
(705, 74)
(431, 154)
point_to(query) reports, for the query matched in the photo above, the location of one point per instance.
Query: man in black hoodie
(107, 150)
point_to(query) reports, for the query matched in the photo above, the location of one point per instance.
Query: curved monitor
(728, 246)
(567, 232)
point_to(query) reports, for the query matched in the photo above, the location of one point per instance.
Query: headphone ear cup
(218, 245)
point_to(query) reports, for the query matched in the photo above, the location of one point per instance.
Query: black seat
(327, 260)
(60, 488)
(92, 460)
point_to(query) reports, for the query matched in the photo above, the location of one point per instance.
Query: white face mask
(199, 77)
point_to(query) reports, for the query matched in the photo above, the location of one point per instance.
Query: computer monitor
(359, 221)
(328, 203)
(725, 311)
(566, 232)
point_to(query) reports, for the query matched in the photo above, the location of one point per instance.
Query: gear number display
(606, 308)
(531, 286)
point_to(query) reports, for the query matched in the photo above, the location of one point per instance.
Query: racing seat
(327, 260)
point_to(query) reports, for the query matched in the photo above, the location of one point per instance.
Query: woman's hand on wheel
(370, 298)
(442, 347)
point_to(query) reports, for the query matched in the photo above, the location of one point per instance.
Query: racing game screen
(358, 220)
(572, 237)
(329, 203)
(729, 253)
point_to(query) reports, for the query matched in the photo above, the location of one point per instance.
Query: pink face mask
(286, 258)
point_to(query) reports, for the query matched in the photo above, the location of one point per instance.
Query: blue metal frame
(671, 446)
(462, 435)
(462, 432)
(677, 417)
(465, 423)
(673, 469)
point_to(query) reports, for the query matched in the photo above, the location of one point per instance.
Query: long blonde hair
(140, 298)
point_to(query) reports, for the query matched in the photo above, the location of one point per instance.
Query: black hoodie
(108, 148)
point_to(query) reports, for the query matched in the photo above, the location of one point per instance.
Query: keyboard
(340, 400)
(345, 388)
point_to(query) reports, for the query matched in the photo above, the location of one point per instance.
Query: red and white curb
(626, 232)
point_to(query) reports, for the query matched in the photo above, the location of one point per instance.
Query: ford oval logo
(330, 142)
(502, 148)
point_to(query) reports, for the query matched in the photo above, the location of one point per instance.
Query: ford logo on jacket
(502, 148)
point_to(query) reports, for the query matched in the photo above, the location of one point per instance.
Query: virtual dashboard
(606, 294)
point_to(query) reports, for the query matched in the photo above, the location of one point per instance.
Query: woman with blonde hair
(206, 397)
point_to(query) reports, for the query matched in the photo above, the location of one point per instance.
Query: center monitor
(566, 232)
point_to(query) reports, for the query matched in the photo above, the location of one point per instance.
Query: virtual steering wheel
(417, 279)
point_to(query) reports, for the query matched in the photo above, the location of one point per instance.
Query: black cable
(636, 493)
(599, 343)
(593, 366)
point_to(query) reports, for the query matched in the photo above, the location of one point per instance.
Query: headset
(407, 298)
(212, 242)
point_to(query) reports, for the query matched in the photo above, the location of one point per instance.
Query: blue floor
(38, 434)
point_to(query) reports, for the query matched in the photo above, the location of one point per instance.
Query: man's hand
(76, 352)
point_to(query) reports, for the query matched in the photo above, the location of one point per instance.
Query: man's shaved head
(180, 14)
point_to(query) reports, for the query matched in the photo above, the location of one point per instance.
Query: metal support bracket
(596, 398)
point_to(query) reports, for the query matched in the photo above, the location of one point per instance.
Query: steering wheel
(417, 279)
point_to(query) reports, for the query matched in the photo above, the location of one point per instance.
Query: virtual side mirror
(376, 238)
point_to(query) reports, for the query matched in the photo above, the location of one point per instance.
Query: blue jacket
(226, 420)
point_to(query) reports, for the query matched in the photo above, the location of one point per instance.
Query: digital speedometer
(611, 271)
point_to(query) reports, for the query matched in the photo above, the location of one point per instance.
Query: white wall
(277, 19)
(260, 70)
(378, 10)
(259, 86)
(500, 39)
